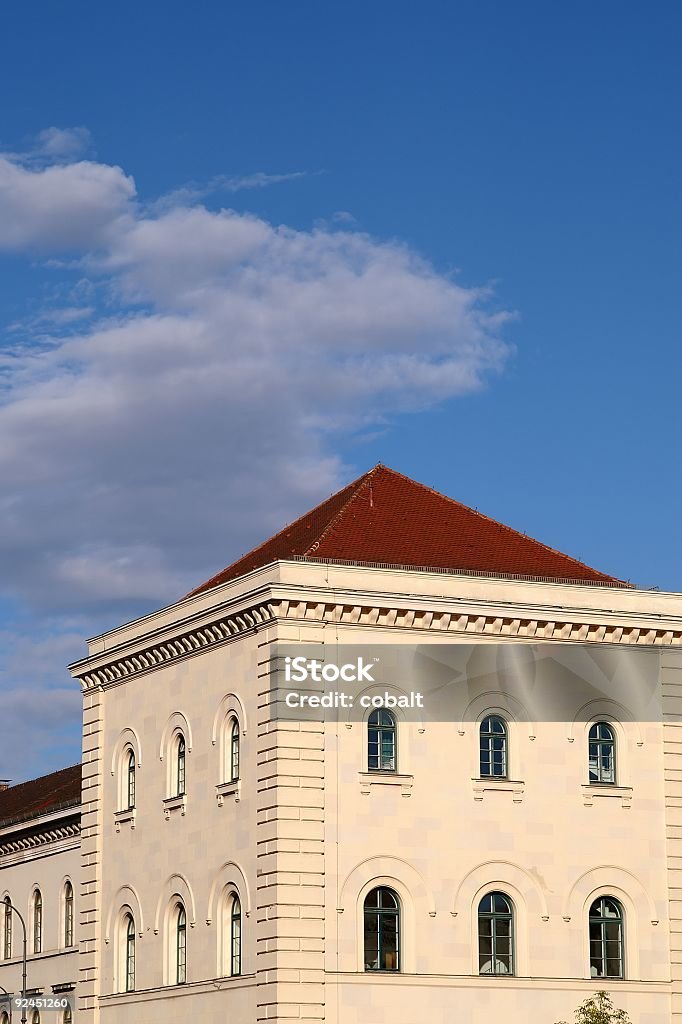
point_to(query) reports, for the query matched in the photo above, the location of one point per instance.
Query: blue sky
(453, 248)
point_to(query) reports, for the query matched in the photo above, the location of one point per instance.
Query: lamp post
(9, 906)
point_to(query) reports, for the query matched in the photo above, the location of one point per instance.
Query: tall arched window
(602, 743)
(130, 781)
(235, 936)
(180, 945)
(68, 914)
(234, 751)
(7, 930)
(493, 747)
(68, 1016)
(129, 953)
(382, 930)
(180, 777)
(37, 921)
(35, 1019)
(495, 934)
(381, 741)
(607, 953)
(4, 1019)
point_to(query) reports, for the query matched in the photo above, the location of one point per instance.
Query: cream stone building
(241, 865)
(40, 877)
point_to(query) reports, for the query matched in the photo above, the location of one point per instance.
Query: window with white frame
(180, 765)
(7, 930)
(607, 951)
(381, 928)
(37, 922)
(129, 953)
(602, 753)
(381, 741)
(180, 944)
(68, 914)
(493, 746)
(234, 751)
(129, 782)
(495, 934)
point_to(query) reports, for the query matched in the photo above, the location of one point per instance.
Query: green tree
(599, 1009)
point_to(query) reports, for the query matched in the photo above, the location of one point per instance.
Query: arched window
(68, 1016)
(495, 934)
(234, 751)
(382, 930)
(68, 914)
(381, 741)
(4, 1019)
(130, 781)
(35, 1019)
(602, 742)
(7, 930)
(37, 921)
(129, 953)
(180, 778)
(493, 747)
(607, 954)
(180, 945)
(235, 936)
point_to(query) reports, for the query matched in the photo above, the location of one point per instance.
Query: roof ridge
(358, 486)
(253, 551)
(497, 522)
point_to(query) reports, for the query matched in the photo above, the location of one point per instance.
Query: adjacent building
(40, 870)
(240, 866)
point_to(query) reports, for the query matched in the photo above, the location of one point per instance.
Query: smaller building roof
(45, 795)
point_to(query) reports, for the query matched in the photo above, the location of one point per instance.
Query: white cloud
(60, 207)
(62, 143)
(134, 452)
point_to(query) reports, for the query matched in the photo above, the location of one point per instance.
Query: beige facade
(307, 831)
(41, 856)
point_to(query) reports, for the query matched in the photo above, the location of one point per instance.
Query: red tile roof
(386, 517)
(41, 796)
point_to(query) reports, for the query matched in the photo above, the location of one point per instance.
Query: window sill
(605, 789)
(175, 803)
(377, 778)
(226, 789)
(488, 785)
(124, 817)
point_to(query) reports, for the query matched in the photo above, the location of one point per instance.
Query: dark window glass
(234, 751)
(602, 754)
(381, 741)
(130, 955)
(37, 921)
(382, 930)
(68, 914)
(493, 747)
(236, 936)
(607, 958)
(7, 930)
(130, 781)
(181, 946)
(180, 767)
(495, 935)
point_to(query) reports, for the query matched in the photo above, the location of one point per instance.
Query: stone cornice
(33, 839)
(441, 616)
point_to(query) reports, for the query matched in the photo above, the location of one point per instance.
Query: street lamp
(9, 906)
